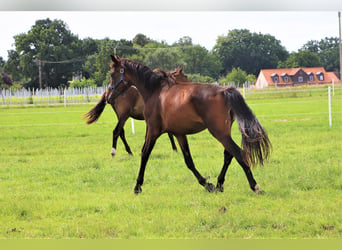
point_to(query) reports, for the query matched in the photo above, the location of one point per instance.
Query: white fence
(50, 96)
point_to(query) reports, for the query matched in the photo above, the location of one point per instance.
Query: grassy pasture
(57, 179)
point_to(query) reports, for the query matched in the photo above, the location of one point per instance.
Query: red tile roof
(328, 76)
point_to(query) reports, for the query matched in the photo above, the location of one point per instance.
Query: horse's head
(179, 75)
(119, 81)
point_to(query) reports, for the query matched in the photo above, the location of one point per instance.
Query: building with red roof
(294, 77)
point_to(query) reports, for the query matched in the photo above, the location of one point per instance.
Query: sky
(292, 28)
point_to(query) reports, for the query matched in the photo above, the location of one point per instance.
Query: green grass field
(57, 178)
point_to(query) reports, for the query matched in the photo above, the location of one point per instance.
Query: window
(311, 78)
(286, 79)
(300, 79)
(275, 78)
(320, 76)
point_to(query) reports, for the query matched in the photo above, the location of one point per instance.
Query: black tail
(256, 146)
(94, 114)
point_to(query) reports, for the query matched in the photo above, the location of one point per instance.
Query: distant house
(294, 77)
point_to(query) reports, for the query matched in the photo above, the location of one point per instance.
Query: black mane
(152, 80)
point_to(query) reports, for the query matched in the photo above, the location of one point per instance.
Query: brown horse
(183, 109)
(128, 105)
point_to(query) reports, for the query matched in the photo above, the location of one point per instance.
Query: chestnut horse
(128, 105)
(189, 108)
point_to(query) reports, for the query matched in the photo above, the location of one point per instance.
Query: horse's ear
(115, 59)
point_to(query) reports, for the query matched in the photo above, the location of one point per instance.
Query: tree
(2, 63)
(200, 78)
(12, 66)
(184, 41)
(166, 59)
(249, 51)
(237, 76)
(141, 40)
(328, 51)
(199, 61)
(51, 45)
(102, 60)
(304, 58)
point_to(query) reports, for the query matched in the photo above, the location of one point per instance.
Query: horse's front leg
(116, 133)
(183, 143)
(145, 154)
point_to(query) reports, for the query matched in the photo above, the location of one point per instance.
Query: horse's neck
(142, 89)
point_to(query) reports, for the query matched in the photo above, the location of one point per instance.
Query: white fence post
(65, 97)
(329, 101)
(133, 130)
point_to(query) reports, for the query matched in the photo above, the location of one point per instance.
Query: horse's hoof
(137, 189)
(219, 187)
(258, 191)
(113, 152)
(210, 187)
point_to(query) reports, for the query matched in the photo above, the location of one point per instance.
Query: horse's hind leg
(172, 142)
(233, 150)
(183, 143)
(123, 138)
(236, 151)
(220, 180)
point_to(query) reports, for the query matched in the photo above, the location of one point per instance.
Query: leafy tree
(166, 59)
(141, 40)
(82, 83)
(2, 63)
(200, 78)
(328, 51)
(102, 60)
(52, 44)
(304, 58)
(12, 66)
(251, 78)
(249, 51)
(199, 61)
(184, 41)
(237, 76)
(89, 68)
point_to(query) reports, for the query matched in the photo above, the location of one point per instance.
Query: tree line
(50, 55)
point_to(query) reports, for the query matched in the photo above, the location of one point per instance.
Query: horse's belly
(184, 124)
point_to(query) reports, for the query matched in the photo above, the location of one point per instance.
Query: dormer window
(320, 76)
(275, 78)
(285, 77)
(311, 76)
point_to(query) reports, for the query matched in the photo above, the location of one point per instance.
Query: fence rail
(50, 96)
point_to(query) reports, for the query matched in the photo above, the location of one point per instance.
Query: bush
(82, 83)
(200, 78)
(238, 77)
